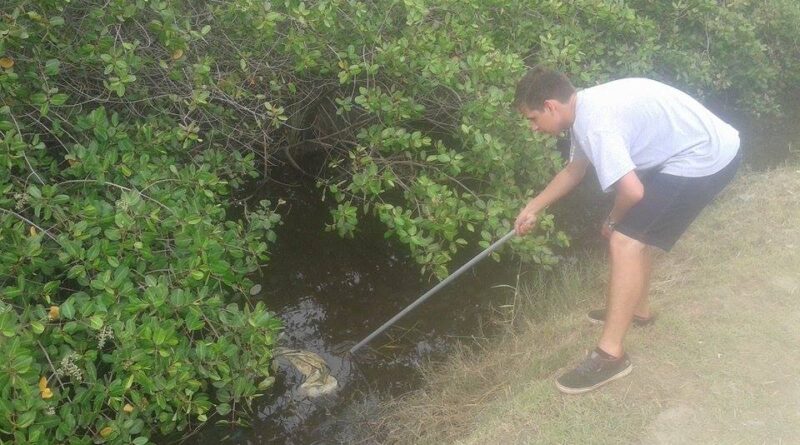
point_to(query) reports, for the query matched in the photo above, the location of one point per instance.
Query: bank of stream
(331, 292)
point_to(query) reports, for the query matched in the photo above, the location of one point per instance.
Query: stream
(331, 293)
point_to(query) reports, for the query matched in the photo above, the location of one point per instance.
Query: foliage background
(127, 125)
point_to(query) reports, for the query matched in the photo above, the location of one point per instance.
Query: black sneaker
(598, 316)
(595, 371)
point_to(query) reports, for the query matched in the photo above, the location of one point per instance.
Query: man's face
(547, 120)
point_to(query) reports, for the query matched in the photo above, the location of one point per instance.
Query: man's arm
(629, 191)
(561, 184)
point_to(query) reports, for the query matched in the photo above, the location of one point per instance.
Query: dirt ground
(720, 365)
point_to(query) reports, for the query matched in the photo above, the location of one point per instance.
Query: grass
(719, 366)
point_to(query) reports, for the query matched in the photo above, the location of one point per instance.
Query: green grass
(719, 366)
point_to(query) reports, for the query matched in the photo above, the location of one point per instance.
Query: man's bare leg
(643, 308)
(631, 262)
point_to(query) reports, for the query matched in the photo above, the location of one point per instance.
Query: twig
(19, 131)
(29, 222)
(55, 373)
(80, 181)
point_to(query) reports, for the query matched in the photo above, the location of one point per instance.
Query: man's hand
(526, 220)
(560, 185)
(629, 192)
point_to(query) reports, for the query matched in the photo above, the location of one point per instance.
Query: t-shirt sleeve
(608, 152)
(575, 151)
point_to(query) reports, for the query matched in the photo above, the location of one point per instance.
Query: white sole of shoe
(597, 322)
(594, 321)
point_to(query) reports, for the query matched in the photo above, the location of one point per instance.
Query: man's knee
(621, 244)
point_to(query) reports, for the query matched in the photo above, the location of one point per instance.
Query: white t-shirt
(640, 124)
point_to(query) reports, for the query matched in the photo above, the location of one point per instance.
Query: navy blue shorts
(671, 203)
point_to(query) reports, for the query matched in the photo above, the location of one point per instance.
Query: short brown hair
(539, 84)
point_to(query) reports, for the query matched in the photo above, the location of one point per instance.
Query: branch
(18, 216)
(79, 181)
(53, 368)
(19, 131)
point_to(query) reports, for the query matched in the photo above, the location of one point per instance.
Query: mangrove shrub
(124, 309)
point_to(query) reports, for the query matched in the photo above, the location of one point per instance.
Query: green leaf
(38, 98)
(193, 320)
(96, 322)
(22, 364)
(98, 284)
(8, 324)
(121, 220)
(34, 191)
(137, 427)
(26, 419)
(223, 409)
(51, 67)
(59, 99)
(159, 336)
(68, 310)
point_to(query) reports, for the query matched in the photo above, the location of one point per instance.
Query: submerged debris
(317, 378)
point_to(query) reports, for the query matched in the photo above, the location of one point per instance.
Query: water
(332, 292)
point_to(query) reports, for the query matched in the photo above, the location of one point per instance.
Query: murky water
(332, 292)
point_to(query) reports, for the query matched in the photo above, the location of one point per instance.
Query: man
(663, 154)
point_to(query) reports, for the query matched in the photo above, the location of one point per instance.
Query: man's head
(546, 99)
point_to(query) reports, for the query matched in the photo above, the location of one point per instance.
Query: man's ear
(549, 105)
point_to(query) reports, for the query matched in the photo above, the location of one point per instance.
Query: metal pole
(435, 289)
